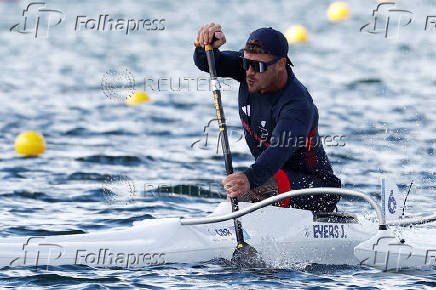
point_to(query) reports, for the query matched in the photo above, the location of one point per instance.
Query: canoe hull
(282, 236)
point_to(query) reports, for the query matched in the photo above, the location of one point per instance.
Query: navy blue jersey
(281, 128)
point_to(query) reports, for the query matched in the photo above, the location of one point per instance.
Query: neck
(277, 85)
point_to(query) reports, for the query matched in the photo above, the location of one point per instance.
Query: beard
(259, 83)
(258, 86)
(253, 85)
(253, 88)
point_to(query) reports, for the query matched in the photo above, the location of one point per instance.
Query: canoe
(282, 237)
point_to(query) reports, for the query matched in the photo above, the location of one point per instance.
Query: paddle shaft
(223, 134)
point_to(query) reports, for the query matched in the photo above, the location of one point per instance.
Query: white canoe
(281, 235)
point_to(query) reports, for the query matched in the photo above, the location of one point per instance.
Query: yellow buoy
(296, 33)
(137, 98)
(338, 11)
(30, 144)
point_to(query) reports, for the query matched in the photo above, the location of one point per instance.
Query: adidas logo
(246, 110)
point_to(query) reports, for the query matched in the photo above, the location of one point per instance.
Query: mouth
(250, 81)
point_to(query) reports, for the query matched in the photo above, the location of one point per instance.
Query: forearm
(227, 63)
(200, 58)
(268, 163)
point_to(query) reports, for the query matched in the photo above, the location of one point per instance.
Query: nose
(251, 71)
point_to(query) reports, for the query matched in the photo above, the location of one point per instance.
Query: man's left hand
(236, 184)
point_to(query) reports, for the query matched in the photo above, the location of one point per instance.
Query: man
(279, 119)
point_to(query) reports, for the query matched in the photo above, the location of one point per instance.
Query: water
(377, 92)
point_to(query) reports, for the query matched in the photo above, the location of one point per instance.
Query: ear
(282, 63)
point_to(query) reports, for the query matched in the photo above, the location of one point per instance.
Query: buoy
(296, 33)
(30, 144)
(137, 98)
(338, 11)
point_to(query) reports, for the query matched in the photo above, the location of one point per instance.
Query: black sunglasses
(258, 66)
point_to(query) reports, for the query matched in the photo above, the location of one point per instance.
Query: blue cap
(273, 42)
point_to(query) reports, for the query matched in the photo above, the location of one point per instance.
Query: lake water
(376, 91)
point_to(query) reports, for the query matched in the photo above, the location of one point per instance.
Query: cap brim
(288, 61)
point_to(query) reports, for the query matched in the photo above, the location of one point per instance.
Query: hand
(206, 33)
(236, 184)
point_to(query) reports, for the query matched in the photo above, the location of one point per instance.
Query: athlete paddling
(279, 118)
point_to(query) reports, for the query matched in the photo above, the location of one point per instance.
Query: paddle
(244, 255)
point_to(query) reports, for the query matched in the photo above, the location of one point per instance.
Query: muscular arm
(228, 63)
(294, 122)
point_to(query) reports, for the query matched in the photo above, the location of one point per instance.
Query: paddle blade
(245, 256)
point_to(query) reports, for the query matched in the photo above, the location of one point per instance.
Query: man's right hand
(207, 32)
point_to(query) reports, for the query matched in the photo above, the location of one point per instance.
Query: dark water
(107, 164)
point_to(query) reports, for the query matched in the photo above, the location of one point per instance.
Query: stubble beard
(253, 89)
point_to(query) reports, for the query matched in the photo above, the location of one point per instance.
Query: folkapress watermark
(288, 140)
(390, 253)
(263, 138)
(388, 20)
(234, 133)
(108, 23)
(37, 18)
(38, 252)
(112, 258)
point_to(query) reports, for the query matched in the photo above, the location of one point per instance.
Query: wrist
(250, 176)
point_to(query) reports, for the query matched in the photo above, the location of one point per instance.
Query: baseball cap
(273, 42)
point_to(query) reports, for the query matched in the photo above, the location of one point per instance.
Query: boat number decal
(227, 232)
(329, 232)
(223, 232)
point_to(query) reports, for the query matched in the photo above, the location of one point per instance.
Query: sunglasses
(258, 66)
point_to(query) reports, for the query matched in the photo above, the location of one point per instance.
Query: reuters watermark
(184, 84)
(122, 190)
(206, 190)
(118, 190)
(120, 83)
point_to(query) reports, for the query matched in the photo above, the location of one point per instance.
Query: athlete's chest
(258, 116)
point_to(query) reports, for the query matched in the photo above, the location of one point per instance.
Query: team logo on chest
(263, 132)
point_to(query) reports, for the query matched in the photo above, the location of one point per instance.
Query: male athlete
(279, 118)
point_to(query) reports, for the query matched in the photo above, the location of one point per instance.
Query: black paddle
(245, 255)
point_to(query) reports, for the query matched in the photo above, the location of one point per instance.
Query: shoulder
(296, 90)
(295, 98)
